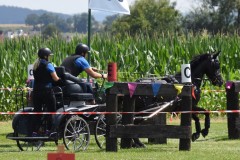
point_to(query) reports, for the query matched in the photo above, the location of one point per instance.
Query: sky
(75, 6)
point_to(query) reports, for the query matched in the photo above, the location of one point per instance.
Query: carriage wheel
(76, 134)
(25, 145)
(100, 130)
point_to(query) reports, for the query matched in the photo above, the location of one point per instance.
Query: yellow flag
(179, 88)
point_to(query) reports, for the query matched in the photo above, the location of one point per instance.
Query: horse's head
(213, 71)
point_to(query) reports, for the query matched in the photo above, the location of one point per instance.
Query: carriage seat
(66, 77)
(81, 97)
(72, 88)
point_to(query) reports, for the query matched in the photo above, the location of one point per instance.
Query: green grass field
(215, 146)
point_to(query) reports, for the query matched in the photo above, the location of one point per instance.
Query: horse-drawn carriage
(74, 128)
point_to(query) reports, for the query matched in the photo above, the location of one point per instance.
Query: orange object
(112, 72)
(61, 155)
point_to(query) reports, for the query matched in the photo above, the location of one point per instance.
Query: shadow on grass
(149, 148)
(12, 147)
(4, 134)
(217, 139)
(8, 148)
(13, 151)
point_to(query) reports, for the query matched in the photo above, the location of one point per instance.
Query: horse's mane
(195, 62)
(198, 59)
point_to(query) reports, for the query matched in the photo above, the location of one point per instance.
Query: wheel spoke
(70, 136)
(101, 135)
(103, 142)
(71, 125)
(83, 128)
(69, 143)
(103, 121)
(79, 125)
(101, 129)
(69, 131)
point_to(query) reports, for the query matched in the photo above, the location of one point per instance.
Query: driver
(44, 76)
(77, 63)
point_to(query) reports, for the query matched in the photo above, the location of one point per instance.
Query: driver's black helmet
(43, 52)
(81, 49)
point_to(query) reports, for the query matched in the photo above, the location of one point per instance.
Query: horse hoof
(138, 145)
(195, 136)
(204, 132)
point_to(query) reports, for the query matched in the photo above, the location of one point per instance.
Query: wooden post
(185, 144)
(233, 118)
(159, 119)
(128, 106)
(111, 119)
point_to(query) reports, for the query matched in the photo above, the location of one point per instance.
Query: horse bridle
(217, 75)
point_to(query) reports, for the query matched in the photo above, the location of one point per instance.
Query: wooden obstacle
(232, 93)
(127, 130)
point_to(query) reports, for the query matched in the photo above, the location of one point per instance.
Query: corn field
(136, 57)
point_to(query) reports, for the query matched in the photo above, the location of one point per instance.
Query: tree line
(150, 17)
(49, 23)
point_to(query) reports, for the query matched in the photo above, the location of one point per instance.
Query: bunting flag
(108, 85)
(155, 88)
(132, 87)
(178, 87)
(229, 85)
(117, 6)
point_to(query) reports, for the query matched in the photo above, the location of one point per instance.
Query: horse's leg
(206, 123)
(196, 135)
(141, 103)
(205, 131)
(137, 143)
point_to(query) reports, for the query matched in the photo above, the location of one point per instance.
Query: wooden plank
(149, 131)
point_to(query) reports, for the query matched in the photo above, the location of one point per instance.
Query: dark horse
(201, 65)
(204, 64)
